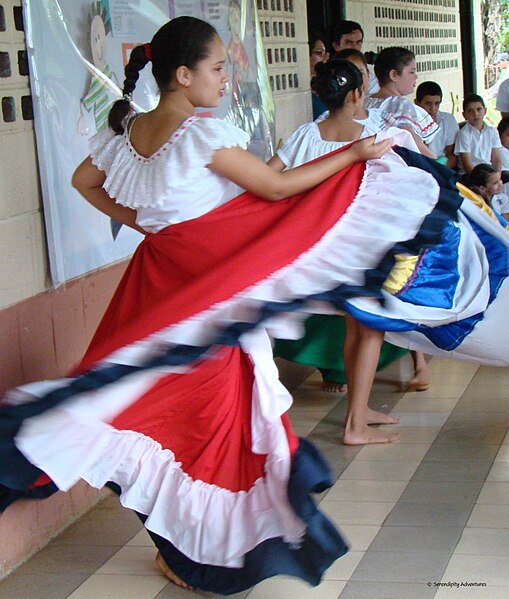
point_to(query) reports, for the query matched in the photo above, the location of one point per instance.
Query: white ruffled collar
(139, 181)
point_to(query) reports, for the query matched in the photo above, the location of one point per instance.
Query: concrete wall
(284, 30)
(413, 24)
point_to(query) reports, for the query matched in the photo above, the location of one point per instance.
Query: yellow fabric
(400, 273)
(478, 201)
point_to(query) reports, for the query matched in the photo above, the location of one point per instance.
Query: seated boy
(476, 141)
(429, 96)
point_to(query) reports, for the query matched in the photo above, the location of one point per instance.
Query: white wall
(290, 76)
(413, 24)
(23, 266)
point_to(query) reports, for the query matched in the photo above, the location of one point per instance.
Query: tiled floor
(427, 517)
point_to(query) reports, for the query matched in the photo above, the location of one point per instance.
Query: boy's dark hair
(503, 125)
(428, 88)
(344, 28)
(470, 99)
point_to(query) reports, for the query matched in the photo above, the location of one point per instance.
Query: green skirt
(322, 347)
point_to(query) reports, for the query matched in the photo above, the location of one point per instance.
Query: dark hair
(334, 79)
(503, 125)
(393, 58)
(181, 41)
(428, 88)
(478, 177)
(344, 28)
(347, 53)
(471, 98)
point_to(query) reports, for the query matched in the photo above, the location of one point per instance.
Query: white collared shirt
(478, 143)
(446, 134)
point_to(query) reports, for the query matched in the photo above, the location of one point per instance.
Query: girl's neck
(175, 104)
(387, 90)
(341, 126)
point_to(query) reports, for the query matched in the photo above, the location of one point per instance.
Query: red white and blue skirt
(177, 403)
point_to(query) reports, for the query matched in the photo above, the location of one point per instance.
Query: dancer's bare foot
(420, 380)
(332, 387)
(418, 383)
(373, 417)
(367, 436)
(166, 570)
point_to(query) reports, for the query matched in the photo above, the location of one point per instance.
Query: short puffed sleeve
(104, 146)
(295, 144)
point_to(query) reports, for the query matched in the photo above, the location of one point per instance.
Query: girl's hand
(366, 149)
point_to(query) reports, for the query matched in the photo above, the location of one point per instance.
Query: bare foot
(373, 417)
(368, 436)
(165, 569)
(332, 387)
(418, 383)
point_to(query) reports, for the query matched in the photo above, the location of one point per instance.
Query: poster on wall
(77, 52)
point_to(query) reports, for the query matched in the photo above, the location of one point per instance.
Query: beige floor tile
(414, 434)
(489, 403)
(421, 418)
(359, 536)
(442, 366)
(302, 430)
(483, 541)
(133, 560)
(437, 403)
(506, 439)
(445, 390)
(393, 452)
(285, 588)
(489, 516)
(499, 472)
(380, 470)
(503, 454)
(488, 592)
(366, 490)
(142, 538)
(494, 493)
(116, 586)
(489, 569)
(343, 568)
(357, 512)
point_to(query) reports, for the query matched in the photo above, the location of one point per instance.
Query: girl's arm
(423, 148)
(88, 180)
(452, 161)
(466, 161)
(276, 164)
(255, 176)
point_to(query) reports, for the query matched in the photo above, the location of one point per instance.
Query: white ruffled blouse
(173, 184)
(306, 144)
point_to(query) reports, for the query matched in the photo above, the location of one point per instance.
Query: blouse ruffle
(136, 181)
